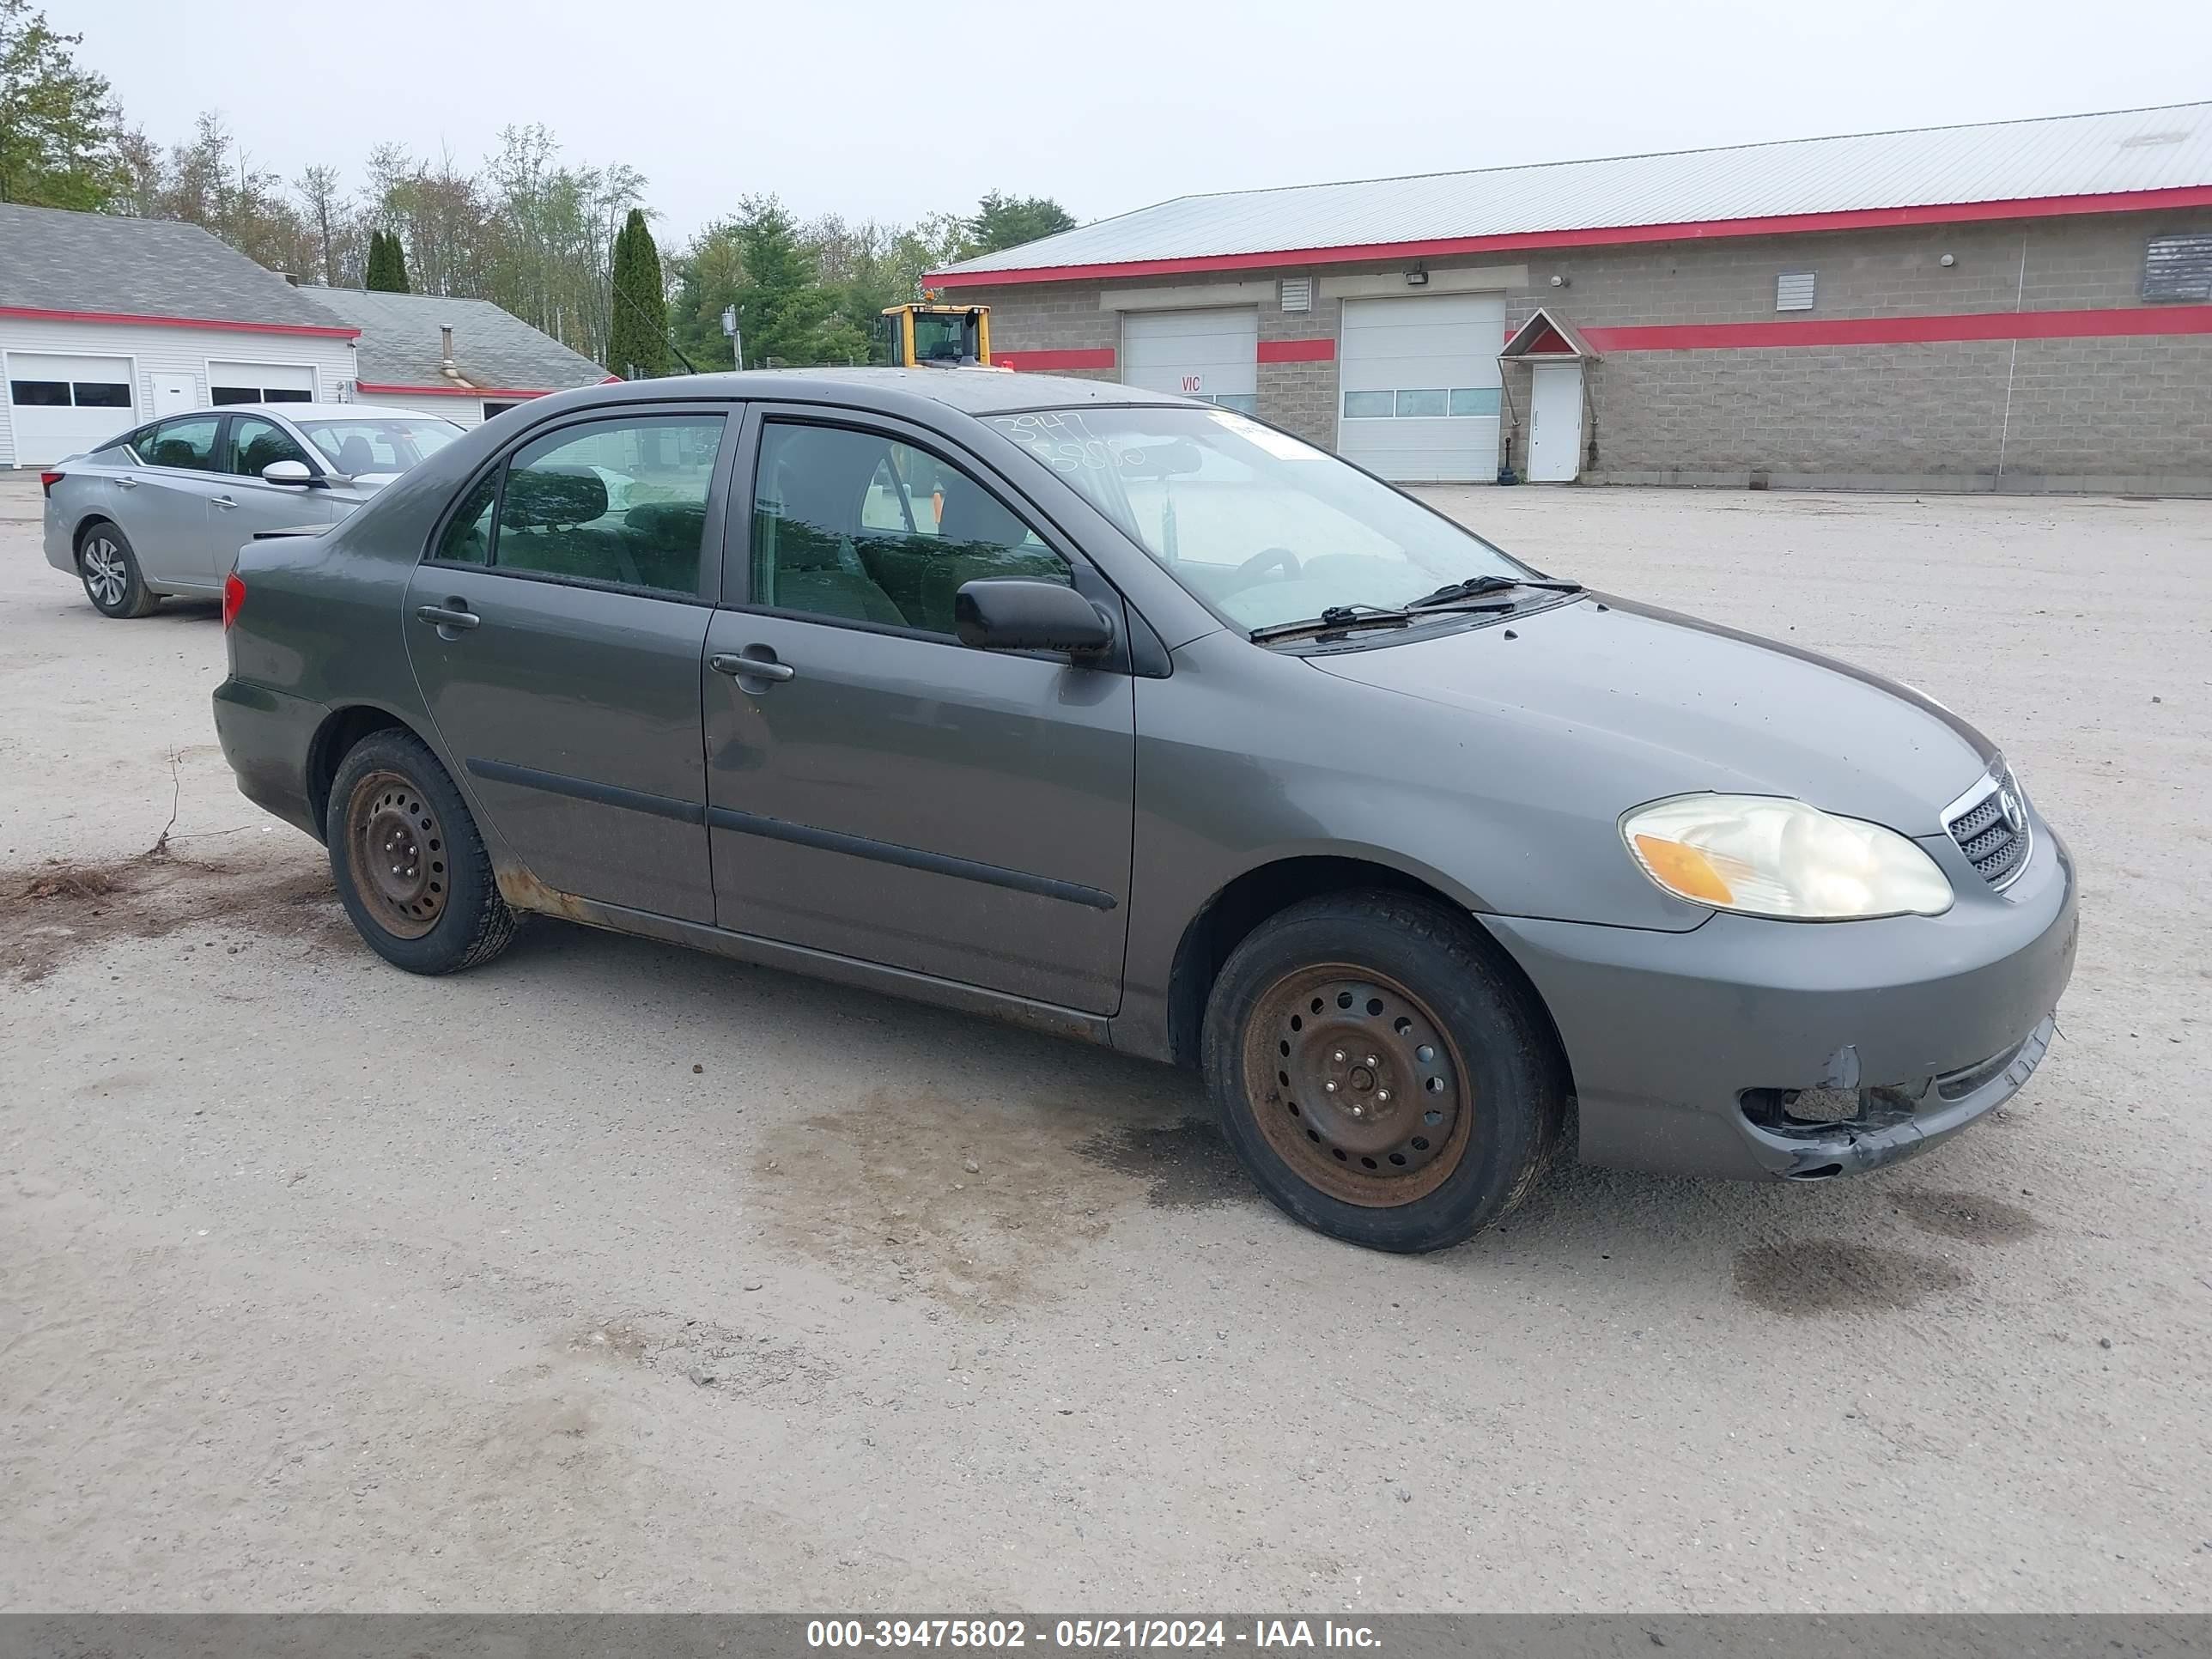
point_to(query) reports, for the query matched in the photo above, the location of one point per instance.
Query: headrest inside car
(546, 496)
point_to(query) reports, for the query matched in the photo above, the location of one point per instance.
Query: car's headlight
(1765, 855)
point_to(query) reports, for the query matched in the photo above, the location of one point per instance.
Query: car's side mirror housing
(1010, 613)
(293, 473)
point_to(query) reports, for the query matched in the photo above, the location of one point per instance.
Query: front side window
(856, 526)
(371, 444)
(256, 442)
(1260, 527)
(618, 502)
(188, 443)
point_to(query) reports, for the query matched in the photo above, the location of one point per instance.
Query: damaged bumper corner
(1756, 1049)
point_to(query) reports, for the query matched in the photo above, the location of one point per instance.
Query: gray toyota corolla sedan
(163, 508)
(1137, 720)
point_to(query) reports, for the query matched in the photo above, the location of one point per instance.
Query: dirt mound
(61, 909)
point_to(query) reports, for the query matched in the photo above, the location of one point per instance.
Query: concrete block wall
(2130, 411)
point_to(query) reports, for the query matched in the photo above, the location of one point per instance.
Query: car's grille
(1993, 830)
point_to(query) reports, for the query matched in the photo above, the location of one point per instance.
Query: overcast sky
(895, 111)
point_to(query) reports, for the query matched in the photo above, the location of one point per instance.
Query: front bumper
(1692, 1052)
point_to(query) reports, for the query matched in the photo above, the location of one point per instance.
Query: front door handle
(452, 614)
(740, 666)
(225, 502)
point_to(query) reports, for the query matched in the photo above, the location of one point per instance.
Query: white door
(63, 406)
(174, 394)
(1419, 385)
(1555, 423)
(1213, 354)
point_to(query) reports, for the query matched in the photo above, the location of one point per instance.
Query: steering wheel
(1270, 559)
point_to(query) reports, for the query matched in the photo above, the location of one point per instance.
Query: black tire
(1401, 1003)
(433, 907)
(108, 567)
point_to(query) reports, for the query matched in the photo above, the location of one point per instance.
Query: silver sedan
(164, 508)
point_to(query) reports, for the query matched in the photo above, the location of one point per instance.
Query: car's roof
(971, 390)
(293, 411)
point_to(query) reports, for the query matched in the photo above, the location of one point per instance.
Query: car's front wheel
(1380, 1076)
(410, 868)
(109, 570)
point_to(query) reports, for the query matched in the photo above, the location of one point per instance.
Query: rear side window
(188, 443)
(622, 503)
(855, 526)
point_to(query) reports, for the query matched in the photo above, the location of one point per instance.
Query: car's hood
(1678, 705)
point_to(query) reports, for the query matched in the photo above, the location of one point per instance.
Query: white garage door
(60, 405)
(260, 383)
(1213, 354)
(1420, 386)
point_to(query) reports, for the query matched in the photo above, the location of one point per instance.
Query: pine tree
(387, 262)
(637, 332)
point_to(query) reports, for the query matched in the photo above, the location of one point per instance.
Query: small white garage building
(106, 322)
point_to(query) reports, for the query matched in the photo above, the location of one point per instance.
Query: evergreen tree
(1004, 222)
(637, 331)
(387, 262)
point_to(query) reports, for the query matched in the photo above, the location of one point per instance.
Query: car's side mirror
(293, 473)
(1009, 613)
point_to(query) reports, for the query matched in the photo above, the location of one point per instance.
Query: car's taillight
(233, 599)
(48, 480)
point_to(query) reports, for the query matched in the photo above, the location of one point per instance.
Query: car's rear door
(557, 639)
(164, 505)
(877, 789)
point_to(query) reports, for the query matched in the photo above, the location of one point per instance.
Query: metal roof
(493, 349)
(79, 263)
(2159, 150)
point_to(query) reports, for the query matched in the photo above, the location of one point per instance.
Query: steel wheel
(399, 851)
(1356, 1086)
(106, 572)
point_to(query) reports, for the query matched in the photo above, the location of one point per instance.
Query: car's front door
(164, 505)
(878, 790)
(555, 630)
(247, 504)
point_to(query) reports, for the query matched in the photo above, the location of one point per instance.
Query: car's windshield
(379, 443)
(1262, 528)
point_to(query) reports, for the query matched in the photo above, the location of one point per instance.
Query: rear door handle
(126, 483)
(447, 615)
(739, 666)
(224, 502)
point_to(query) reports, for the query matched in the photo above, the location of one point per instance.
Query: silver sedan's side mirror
(295, 473)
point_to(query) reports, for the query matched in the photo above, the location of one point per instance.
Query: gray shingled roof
(51, 259)
(2119, 151)
(399, 342)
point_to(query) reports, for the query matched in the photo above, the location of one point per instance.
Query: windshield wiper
(1474, 586)
(1339, 617)
(1335, 617)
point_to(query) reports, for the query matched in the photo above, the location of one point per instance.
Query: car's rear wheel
(410, 868)
(109, 570)
(1381, 1077)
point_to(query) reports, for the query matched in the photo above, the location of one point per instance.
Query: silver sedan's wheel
(110, 572)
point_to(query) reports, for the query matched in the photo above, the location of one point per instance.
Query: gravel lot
(614, 1277)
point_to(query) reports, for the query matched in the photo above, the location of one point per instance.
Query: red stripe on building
(1298, 351)
(453, 391)
(2105, 323)
(1043, 361)
(36, 314)
(1778, 224)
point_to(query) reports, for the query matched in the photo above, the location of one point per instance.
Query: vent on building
(2179, 267)
(1297, 294)
(1793, 291)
